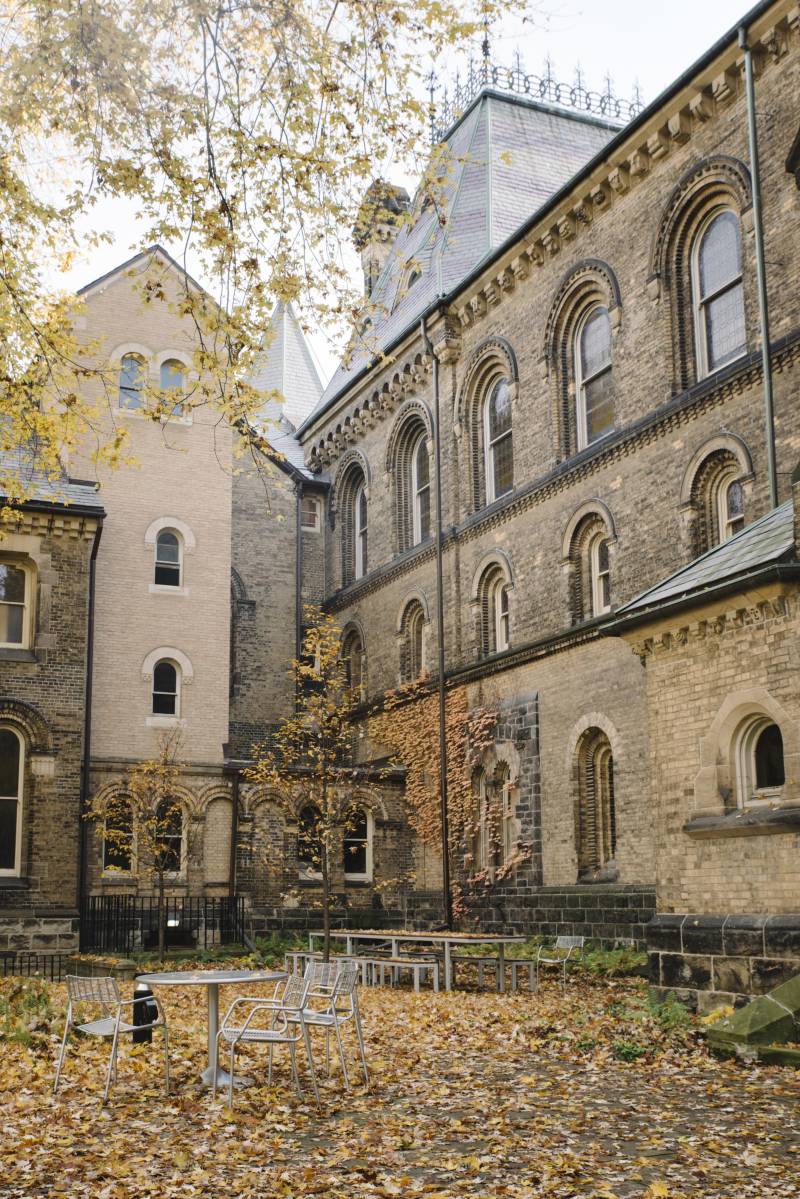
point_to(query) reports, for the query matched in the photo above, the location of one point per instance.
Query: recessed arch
(415, 596)
(720, 442)
(174, 655)
(499, 558)
(170, 522)
(593, 507)
(30, 723)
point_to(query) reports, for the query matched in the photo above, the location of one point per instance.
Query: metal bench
(560, 953)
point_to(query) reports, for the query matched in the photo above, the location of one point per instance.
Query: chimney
(379, 221)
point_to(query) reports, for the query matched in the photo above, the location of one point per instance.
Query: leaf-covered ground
(585, 1094)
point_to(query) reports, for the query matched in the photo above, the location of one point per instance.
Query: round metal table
(212, 980)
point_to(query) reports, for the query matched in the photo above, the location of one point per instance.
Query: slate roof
(61, 492)
(508, 156)
(766, 541)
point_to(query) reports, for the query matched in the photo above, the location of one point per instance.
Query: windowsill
(723, 366)
(14, 882)
(165, 589)
(164, 722)
(309, 882)
(360, 881)
(758, 820)
(118, 878)
(9, 653)
(143, 414)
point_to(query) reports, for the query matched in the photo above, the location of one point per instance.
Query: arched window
(357, 845)
(361, 531)
(166, 689)
(730, 507)
(716, 501)
(497, 437)
(760, 771)
(172, 383)
(421, 490)
(168, 559)
(494, 612)
(482, 830)
(118, 837)
(12, 762)
(412, 647)
(718, 292)
(597, 823)
(16, 587)
(593, 377)
(309, 844)
(600, 574)
(168, 839)
(132, 376)
(354, 664)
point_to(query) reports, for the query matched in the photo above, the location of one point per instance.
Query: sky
(633, 41)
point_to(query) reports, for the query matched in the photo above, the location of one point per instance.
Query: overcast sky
(634, 41)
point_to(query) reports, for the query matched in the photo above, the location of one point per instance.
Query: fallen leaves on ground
(584, 1093)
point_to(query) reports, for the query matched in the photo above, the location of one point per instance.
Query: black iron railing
(129, 923)
(52, 966)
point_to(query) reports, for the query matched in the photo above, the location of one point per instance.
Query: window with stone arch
(354, 516)
(579, 355)
(698, 268)
(355, 663)
(132, 382)
(590, 567)
(493, 610)
(170, 837)
(596, 809)
(716, 505)
(494, 829)
(12, 778)
(172, 381)
(758, 761)
(118, 836)
(486, 408)
(168, 564)
(411, 473)
(357, 844)
(412, 642)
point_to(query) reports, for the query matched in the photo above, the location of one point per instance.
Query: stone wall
(604, 912)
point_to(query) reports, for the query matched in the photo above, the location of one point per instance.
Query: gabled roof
(153, 253)
(767, 542)
(507, 156)
(61, 492)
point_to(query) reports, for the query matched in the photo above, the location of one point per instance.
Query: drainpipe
(298, 573)
(234, 833)
(437, 451)
(761, 272)
(87, 721)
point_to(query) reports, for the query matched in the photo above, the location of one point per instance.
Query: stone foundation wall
(38, 932)
(708, 960)
(601, 912)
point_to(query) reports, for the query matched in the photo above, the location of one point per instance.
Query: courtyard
(588, 1092)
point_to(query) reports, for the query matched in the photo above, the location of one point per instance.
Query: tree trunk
(326, 906)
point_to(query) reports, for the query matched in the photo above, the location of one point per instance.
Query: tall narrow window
(508, 839)
(169, 836)
(172, 383)
(412, 652)
(131, 382)
(601, 575)
(361, 532)
(309, 845)
(353, 661)
(501, 617)
(14, 599)
(498, 442)
(493, 597)
(593, 377)
(730, 500)
(356, 845)
(165, 689)
(597, 824)
(118, 837)
(309, 514)
(11, 776)
(482, 836)
(168, 559)
(718, 293)
(421, 490)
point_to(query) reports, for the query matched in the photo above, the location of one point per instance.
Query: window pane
(599, 406)
(309, 513)
(725, 334)
(167, 548)
(12, 584)
(131, 382)
(164, 704)
(503, 463)
(8, 833)
(735, 500)
(11, 623)
(9, 764)
(769, 758)
(164, 677)
(595, 343)
(499, 410)
(602, 557)
(355, 856)
(171, 375)
(424, 511)
(423, 467)
(118, 840)
(720, 255)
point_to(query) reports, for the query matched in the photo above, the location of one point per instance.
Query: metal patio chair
(277, 1021)
(336, 985)
(104, 993)
(559, 955)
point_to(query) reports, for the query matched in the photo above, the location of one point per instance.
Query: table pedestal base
(224, 1078)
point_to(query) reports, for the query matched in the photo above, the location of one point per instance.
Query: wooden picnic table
(448, 940)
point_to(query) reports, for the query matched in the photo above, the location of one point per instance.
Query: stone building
(47, 558)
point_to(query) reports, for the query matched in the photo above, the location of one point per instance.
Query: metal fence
(52, 966)
(129, 923)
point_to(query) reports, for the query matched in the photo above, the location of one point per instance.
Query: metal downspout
(761, 270)
(298, 574)
(437, 451)
(87, 726)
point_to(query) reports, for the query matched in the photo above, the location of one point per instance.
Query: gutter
(87, 718)
(555, 200)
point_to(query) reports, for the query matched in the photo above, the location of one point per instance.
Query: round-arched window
(168, 559)
(719, 294)
(498, 441)
(165, 689)
(594, 377)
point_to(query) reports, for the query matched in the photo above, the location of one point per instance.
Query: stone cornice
(44, 523)
(730, 619)
(664, 420)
